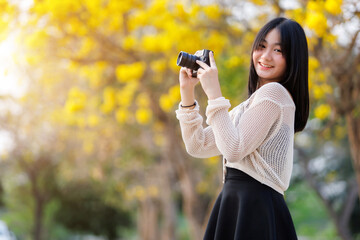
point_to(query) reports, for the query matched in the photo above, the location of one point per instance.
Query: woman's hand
(187, 86)
(208, 76)
(186, 80)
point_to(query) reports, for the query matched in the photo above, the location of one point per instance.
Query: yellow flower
(124, 99)
(296, 14)
(122, 115)
(317, 22)
(130, 72)
(93, 120)
(143, 100)
(213, 161)
(172, 64)
(87, 46)
(330, 38)
(165, 103)
(313, 64)
(143, 115)
(109, 98)
(69, 119)
(174, 93)
(212, 11)
(76, 100)
(80, 122)
(216, 42)
(318, 92)
(115, 23)
(138, 19)
(180, 12)
(316, 6)
(129, 42)
(36, 39)
(333, 6)
(327, 88)
(321, 90)
(259, 2)
(106, 107)
(74, 26)
(233, 62)
(157, 43)
(150, 43)
(158, 66)
(33, 59)
(109, 94)
(323, 111)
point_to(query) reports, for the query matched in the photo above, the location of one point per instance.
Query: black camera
(189, 61)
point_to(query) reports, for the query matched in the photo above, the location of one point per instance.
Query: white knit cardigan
(255, 137)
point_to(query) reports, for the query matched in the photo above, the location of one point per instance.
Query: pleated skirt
(249, 210)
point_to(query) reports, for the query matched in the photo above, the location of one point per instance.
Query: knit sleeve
(236, 142)
(199, 141)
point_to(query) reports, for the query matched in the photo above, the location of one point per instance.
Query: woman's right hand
(186, 79)
(187, 86)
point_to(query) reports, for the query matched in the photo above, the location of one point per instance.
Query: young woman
(256, 137)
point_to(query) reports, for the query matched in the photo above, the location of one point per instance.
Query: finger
(182, 70)
(212, 59)
(202, 64)
(189, 72)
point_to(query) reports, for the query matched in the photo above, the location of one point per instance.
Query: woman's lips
(266, 66)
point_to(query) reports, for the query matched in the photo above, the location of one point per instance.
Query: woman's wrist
(192, 106)
(187, 97)
(215, 96)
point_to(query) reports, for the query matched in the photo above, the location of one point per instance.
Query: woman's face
(268, 59)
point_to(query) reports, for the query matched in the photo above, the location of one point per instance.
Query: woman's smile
(265, 66)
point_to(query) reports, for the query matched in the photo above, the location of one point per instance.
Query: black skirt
(247, 210)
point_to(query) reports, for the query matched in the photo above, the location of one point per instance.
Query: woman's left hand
(209, 79)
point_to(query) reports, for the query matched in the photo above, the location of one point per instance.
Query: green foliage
(309, 214)
(233, 81)
(83, 210)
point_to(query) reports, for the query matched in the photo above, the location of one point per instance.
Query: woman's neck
(262, 82)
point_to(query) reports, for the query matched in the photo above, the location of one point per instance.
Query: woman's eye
(278, 50)
(261, 46)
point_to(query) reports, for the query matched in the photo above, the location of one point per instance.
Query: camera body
(189, 61)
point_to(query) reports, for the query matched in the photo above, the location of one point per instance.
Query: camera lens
(187, 60)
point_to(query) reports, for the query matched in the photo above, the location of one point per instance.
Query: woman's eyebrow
(264, 40)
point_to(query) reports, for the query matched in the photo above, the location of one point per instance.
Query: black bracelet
(188, 106)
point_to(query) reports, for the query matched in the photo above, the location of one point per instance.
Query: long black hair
(295, 80)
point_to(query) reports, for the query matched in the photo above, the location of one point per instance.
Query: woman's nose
(266, 54)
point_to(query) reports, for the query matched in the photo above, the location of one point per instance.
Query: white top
(256, 137)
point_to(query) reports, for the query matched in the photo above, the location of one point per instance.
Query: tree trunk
(39, 209)
(168, 230)
(353, 125)
(147, 220)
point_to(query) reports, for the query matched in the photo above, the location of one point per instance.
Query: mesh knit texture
(256, 137)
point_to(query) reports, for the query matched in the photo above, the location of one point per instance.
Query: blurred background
(90, 148)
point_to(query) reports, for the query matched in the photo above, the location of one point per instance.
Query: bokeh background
(89, 144)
